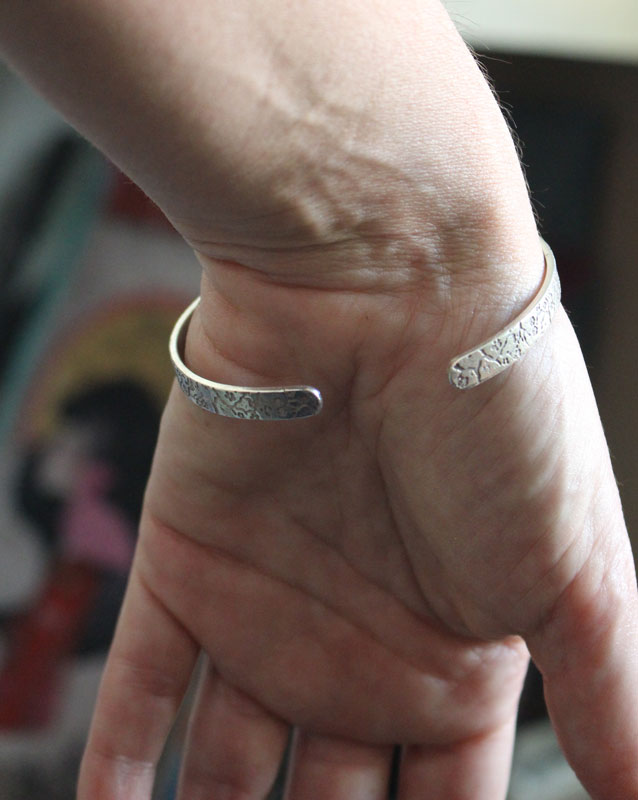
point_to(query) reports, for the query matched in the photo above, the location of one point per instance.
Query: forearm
(274, 125)
(116, 70)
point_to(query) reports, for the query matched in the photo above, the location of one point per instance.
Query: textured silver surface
(239, 402)
(483, 362)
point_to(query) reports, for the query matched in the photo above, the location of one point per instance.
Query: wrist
(252, 330)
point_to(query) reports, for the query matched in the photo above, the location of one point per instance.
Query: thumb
(587, 651)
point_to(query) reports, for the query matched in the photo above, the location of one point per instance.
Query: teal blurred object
(48, 262)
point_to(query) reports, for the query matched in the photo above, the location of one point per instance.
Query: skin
(376, 575)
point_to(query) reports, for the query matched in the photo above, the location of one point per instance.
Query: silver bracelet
(510, 344)
(297, 402)
(240, 402)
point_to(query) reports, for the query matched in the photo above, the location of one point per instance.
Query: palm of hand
(362, 575)
(355, 574)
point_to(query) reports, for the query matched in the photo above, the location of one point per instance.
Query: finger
(146, 675)
(587, 651)
(327, 768)
(234, 746)
(477, 769)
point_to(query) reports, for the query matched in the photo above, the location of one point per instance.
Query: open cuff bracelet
(511, 343)
(296, 402)
(240, 402)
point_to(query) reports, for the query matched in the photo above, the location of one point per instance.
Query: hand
(366, 575)
(369, 576)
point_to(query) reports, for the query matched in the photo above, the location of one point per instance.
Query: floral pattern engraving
(509, 345)
(239, 402)
(258, 404)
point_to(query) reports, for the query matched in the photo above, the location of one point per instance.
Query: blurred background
(91, 280)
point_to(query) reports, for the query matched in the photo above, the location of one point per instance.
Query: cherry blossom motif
(240, 402)
(509, 345)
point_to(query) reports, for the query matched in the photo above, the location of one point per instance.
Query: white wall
(592, 29)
